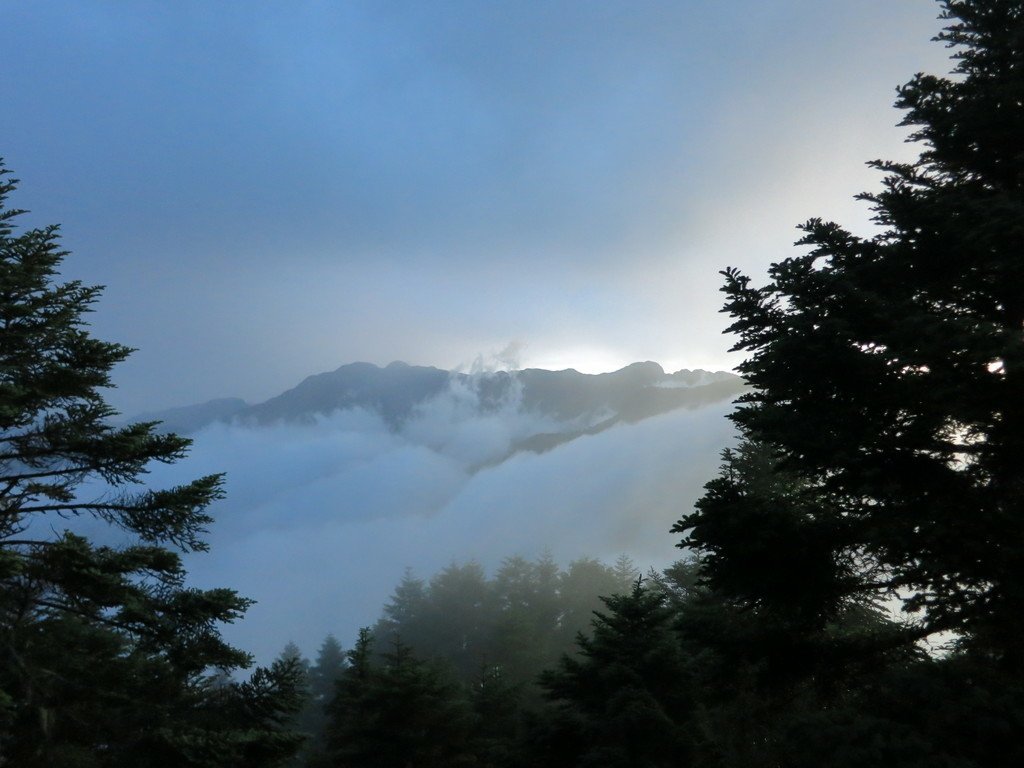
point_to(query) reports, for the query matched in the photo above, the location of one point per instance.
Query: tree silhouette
(105, 650)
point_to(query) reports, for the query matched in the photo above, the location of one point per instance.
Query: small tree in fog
(625, 699)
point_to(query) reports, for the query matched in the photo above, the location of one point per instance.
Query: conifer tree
(322, 679)
(326, 670)
(882, 454)
(525, 617)
(454, 623)
(397, 713)
(292, 652)
(406, 612)
(580, 588)
(498, 720)
(104, 651)
(625, 700)
(887, 372)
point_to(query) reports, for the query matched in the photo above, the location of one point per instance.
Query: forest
(849, 585)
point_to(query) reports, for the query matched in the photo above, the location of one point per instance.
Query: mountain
(573, 403)
(392, 392)
(192, 418)
(360, 472)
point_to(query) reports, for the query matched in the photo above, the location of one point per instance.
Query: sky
(270, 190)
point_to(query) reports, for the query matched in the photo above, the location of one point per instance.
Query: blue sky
(270, 190)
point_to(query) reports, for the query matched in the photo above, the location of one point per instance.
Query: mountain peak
(646, 369)
(396, 391)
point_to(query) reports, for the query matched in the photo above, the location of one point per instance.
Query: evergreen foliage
(106, 653)
(883, 440)
(395, 713)
(521, 620)
(499, 719)
(318, 684)
(887, 372)
(624, 699)
(416, 665)
(323, 676)
(879, 469)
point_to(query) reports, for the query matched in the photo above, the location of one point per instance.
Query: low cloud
(321, 519)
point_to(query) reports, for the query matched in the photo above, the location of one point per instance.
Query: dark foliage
(888, 372)
(884, 436)
(395, 713)
(519, 622)
(105, 650)
(623, 701)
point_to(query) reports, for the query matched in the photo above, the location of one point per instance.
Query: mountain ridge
(579, 404)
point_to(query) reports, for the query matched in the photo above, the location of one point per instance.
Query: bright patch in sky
(583, 359)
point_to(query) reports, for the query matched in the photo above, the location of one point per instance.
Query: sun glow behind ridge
(594, 359)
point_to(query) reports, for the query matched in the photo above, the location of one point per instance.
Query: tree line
(852, 592)
(479, 643)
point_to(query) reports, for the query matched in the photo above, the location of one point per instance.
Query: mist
(321, 519)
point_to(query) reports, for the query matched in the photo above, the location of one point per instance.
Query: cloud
(321, 519)
(510, 356)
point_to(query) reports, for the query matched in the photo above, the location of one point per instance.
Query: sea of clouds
(321, 519)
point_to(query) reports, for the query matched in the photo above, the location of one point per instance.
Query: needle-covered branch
(104, 647)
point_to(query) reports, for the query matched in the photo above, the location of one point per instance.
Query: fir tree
(405, 614)
(884, 436)
(326, 670)
(105, 650)
(401, 712)
(887, 372)
(497, 704)
(454, 624)
(526, 611)
(580, 588)
(625, 700)
(322, 679)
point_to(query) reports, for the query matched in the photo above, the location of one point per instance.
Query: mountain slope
(571, 404)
